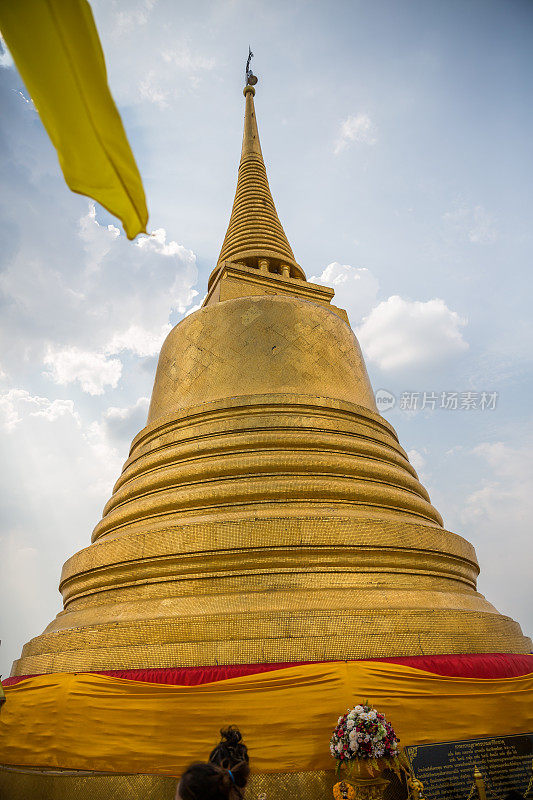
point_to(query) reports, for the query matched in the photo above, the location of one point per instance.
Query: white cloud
(507, 493)
(57, 472)
(187, 60)
(474, 224)
(151, 91)
(195, 307)
(417, 460)
(399, 334)
(502, 507)
(49, 438)
(138, 340)
(483, 230)
(159, 85)
(93, 304)
(36, 605)
(98, 239)
(121, 425)
(27, 100)
(116, 413)
(6, 59)
(19, 403)
(93, 371)
(356, 288)
(357, 128)
(157, 243)
(138, 13)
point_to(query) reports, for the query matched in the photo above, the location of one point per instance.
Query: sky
(397, 138)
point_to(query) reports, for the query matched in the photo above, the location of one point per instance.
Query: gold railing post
(480, 784)
(530, 784)
(416, 788)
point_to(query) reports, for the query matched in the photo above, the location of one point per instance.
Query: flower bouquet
(363, 741)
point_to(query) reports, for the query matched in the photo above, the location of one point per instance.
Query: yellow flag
(57, 51)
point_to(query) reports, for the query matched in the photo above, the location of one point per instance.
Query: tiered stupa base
(23, 784)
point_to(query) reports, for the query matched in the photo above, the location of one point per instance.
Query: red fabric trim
(13, 681)
(475, 665)
(193, 676)
(182, 676)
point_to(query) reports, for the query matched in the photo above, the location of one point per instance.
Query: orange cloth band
(97, 722)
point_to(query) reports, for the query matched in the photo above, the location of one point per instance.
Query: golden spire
(254, 231)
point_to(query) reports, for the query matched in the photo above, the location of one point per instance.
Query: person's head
(208, 781)
(231, 749)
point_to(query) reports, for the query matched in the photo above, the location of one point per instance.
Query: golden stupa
(267, 512)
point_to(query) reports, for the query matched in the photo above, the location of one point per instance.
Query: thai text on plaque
(447, 769)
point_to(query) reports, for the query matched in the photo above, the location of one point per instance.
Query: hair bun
(231, 749)
(231, 735)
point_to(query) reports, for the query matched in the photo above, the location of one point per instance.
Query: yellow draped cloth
(96, 722)
(57, 51)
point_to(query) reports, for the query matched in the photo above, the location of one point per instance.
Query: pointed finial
(254, 232)
(251, 79)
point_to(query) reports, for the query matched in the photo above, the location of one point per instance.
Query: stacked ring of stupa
(266, 516)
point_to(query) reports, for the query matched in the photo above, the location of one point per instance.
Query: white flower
(350, 724)
(358, 709)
